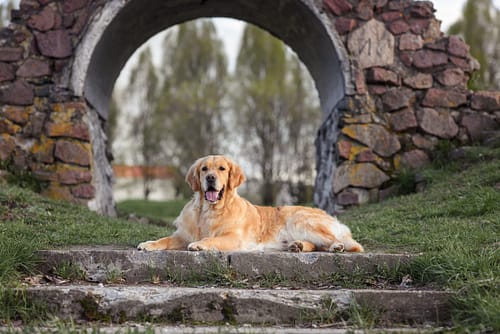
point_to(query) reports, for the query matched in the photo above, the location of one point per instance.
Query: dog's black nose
(210, 178)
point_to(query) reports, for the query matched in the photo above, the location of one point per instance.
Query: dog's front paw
(146, 246)
(296, 247)
(197, 246)
(337, 247)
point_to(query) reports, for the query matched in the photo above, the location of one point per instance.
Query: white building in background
(129, 183)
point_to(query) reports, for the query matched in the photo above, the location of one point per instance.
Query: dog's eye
(222, 168)
(204, 168)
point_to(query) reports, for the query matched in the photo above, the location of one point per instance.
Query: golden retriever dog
(217, 218)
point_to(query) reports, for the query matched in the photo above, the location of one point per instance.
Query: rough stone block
(415, 159)
(43, 150)
(375, 137)
(403, 120)
(10, 54)
(436, 97)
(77, 131)
(73, 152)
(381, 75)
(18, 93)
(439, 124)
(399, 27)
(7, 145)
(364, 10)
(45, 20)
(54, 43)
(486, 100)
(363, 175)
(457, 47)
(398, 98)
(345, 25)
(422, 9)
(372, 44)
(410, 42)
(7, 72)
(419, 26)
(338, 7)
(17, 115)
(419, 81)
(425, 143)
(478, 125)
(70, 6)
(452, 77)
(34, 68)
(67, 174)
(427, 59)
(86, 191)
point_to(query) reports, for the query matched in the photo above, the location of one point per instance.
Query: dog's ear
(236, 176)
(193, 176)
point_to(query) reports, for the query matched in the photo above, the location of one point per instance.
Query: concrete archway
(123, 26)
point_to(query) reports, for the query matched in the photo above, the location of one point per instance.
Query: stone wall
(43, 126)
(409, 92)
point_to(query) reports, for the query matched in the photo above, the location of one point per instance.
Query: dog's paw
(197, 246)
(336, 247)
(296, 247)
(146, 246)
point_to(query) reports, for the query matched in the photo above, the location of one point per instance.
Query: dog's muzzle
(212, 194)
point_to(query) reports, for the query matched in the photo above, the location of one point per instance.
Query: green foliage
(441, 154)
(275, 111)
(405, 181)
(70, 272)
(15, 305)
(21, 178)
(480, 28)
(192, 93)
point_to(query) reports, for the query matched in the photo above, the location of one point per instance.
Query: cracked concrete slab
(137, 266)
(237, 306)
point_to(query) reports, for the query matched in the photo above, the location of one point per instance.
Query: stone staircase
(272, 292)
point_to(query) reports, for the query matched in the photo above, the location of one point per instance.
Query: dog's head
(214, 176)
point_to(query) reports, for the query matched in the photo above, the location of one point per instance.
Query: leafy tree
(275, 111)
(480, 28)
(194, 72)
(146, 124)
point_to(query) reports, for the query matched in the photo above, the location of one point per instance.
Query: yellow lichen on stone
(58, 192)
(61, 114)
(397, 162)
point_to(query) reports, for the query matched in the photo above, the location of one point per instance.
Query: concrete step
(99, 264)
(93, 328)
(117, 304)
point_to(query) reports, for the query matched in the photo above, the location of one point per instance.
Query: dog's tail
(352, 245)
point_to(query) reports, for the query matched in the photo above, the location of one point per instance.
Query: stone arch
(390, 86)
(113, 36)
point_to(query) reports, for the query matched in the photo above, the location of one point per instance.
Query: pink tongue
(211, 196)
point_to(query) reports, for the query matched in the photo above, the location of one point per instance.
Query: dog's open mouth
(212, 195)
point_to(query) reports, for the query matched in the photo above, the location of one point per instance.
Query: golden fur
(217, 218)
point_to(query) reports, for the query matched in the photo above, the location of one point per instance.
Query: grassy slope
(455, 223)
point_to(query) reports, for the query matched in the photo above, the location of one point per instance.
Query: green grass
(29, 222)
(154, 210)
(455, 223)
